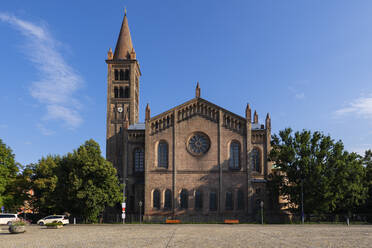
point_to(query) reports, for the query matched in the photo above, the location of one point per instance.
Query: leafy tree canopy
(9, 171)
(331, 178)
(82, 183)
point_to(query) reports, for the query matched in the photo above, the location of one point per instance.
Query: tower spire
(248, 113)
(197, 90)
(124, 46)
(255, 117)
(148, 113)
(268, 121)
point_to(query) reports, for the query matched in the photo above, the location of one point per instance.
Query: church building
(196, 160)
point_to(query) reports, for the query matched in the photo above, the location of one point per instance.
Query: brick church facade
(194, 160)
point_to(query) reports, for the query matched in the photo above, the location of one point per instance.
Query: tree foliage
(12, 182)
(44, 182)
(332, 178)
(82, 183)
(367, 162)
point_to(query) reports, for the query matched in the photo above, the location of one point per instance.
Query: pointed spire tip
(124, 44)
(197, 90)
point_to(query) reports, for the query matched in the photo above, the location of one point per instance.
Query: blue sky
(308, 63)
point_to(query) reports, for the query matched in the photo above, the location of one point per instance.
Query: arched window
(116, 74)
(116, 92)
(168, 199)
(126, 76)
(163, 154)
(256, 160)
(156, 199)
(121, 92)
(213, 201)
(240, 199)
(198, 199)
(121, 75)
(138, 155)
(184, 199)
(126, 92)
(229, 201)
(234, 160)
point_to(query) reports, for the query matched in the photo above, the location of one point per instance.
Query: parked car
(54, 218)
(8, 218)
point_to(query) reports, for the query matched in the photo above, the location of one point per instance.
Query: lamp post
(123, 206)
(140, 205)
(262, 205)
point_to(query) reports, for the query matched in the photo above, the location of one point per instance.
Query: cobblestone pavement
(195, 236)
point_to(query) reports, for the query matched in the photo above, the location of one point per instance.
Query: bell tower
(123, 73)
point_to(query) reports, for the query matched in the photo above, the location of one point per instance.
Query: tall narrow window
(256, 160)
(116, 92)
(121, 75)
(116, 74)
(213, 201)
(234, 161)
(121, 92)
(163, 154)
(198, 200)
(168, 199)
(126, 92)
(126, 76)
(240, 199)
(138, 160)
(184, 199)
(229, 201)
(156, 199)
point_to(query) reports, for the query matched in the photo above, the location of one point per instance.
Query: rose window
(198, 144)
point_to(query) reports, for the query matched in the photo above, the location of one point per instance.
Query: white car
(8, 218)
(54, 218)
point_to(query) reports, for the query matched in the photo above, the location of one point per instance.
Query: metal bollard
(74, 221)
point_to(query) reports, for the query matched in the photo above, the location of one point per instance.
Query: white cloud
(361, 107)
(296, 93)
(60, 112)
(58, 81)
(300, 95)
(45, 131)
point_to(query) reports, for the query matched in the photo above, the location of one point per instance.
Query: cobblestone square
(184, 235)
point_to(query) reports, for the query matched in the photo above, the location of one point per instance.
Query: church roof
(124, 44)
(200, 100)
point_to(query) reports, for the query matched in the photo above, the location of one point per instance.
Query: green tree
(348, 184)
(44, 182)
(11, 193)
(88, 183)
(367, 162)
(332, 179)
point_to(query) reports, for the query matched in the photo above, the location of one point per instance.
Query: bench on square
(230, 221)
(172, 221)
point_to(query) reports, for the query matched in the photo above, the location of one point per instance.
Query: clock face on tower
(120, 109)
(198, 144)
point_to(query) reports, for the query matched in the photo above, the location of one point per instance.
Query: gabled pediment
(197, 107)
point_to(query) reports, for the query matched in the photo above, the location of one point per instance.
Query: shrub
(18, 223)
(55, 223)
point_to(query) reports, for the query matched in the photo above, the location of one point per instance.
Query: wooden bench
(231, 221)
(172, 221)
